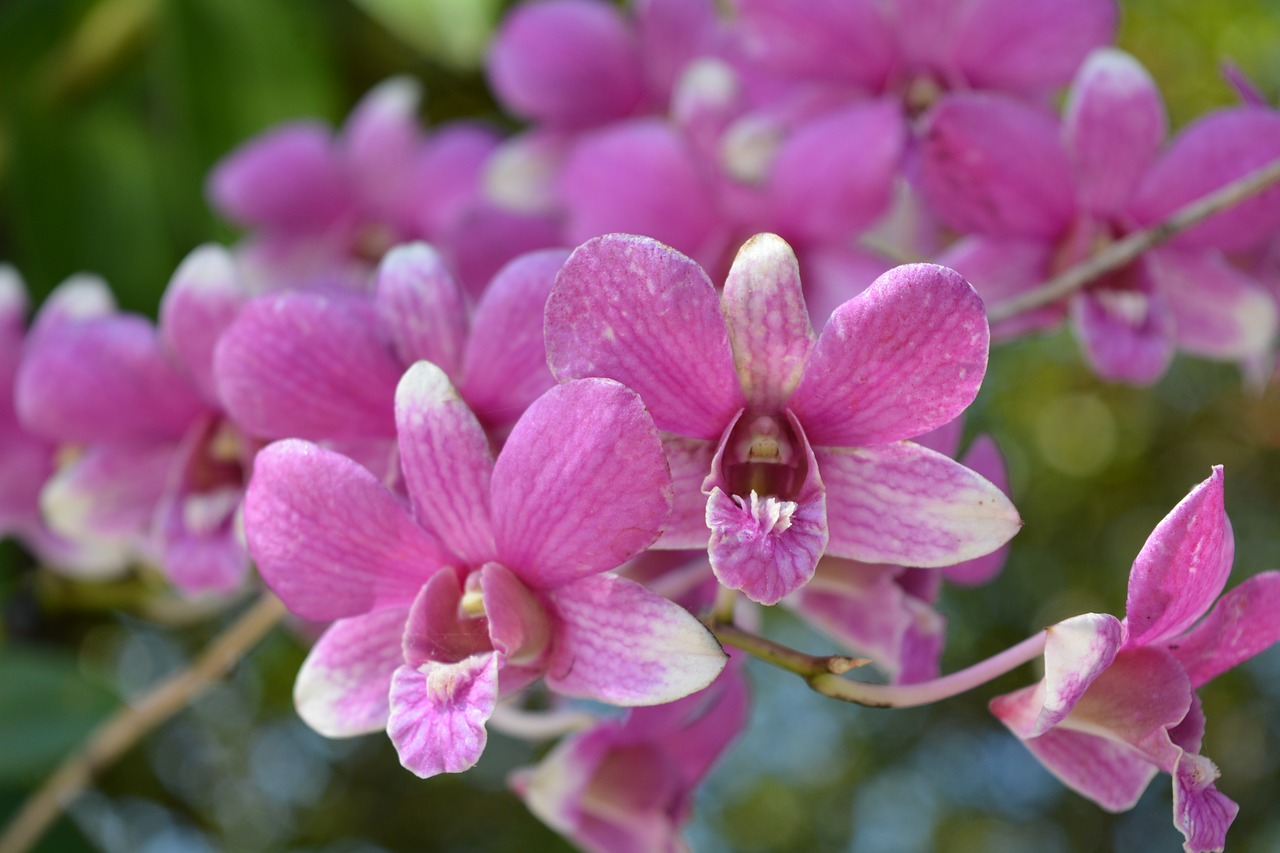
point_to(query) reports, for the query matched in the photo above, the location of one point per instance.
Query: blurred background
(111, 114)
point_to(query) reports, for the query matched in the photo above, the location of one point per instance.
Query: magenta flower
(1118, 704)
(626, 786)
(153, 468)
(324, 366)
(797, 443)
(1038, 197)
(492, 577)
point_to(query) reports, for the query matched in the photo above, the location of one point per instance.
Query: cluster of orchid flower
(510, 474)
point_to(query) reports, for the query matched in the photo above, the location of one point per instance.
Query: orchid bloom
(626, 785)
(152, 466)
(1037, 197)
(797, 443)
(493, 576)
(1118, 703)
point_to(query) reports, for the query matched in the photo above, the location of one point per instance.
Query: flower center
(761, 457)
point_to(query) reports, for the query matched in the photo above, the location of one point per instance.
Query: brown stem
(1128, 249)
(806, 666)
(114, 737)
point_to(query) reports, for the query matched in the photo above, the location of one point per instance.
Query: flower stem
(1128, 249)
(114, 737)
(927, 692)
(806, 666)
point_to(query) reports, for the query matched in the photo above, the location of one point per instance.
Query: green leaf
(452, 32)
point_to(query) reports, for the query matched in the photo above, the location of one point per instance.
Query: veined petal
(983, 457)
(902, 358)
(617, 642)
(343, 684)
(505, 364)
(438, 713)
(202, 299)
(1180, 570)
(905, 505)
(631, 309)
(1242, 624)
(567, 63)
(690, 460)
(1113, 127)
(1000, 270)
(447, 463)
(1218, 311)
(1030, 45)
(996, 167)
(328, 538)
(421, 307)
(766, 547)
(1076, 652)
(566, 509)
(1200, 812)
(308, 365)
(769, 329)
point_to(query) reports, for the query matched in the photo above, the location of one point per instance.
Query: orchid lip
(761, 460)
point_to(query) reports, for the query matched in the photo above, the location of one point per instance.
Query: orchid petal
(1126, 333)
(562, 509)
(1200, 812)
(617, 642)
(519, 624)
(421, 307)
(904, 357)
(1076, 652)
(769, 329)
(634, 310)
(308, 365)
(202, 299)
(904, 505)
(999, 270)
(1180, 570)
(1218, 311)
(447, 463)
(381, 141)
(437, 630)
(765, 546)
(328, 538)
(843, 40)
(983, 457)
(343, 684)
(1241, 625)
(438, 713)
(110, 494)
(690, 460)
(505, 365)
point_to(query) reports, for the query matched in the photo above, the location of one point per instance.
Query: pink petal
(104, 380)
(447, 178)
(904, 505)
(202, 299)
(563, 510)
(109, 494)
(203, 560)
(328, 538)
(447, 463)
(568, 63)
(1136, 700)
(1076, 652)
(438, 629)
(343, 684)
(1113, 128)
(996, 167)
(484, 237)
(519, 624)
(843, 40)
(765, 546)
(505, 366)
(80, 297)
(944, 439)
(1180, 570)
(822, 189)
(768, 324)
(983, 458)
(308, 365)
(1002, 269)
(1030, 45)
(905, 357)
(1126, 333)
(673, 34)
(690, 460)
(641, 177)
(634, 310)
(287, 179)
(421, 307)
(438, 713)
(834, 274)
(619, 643)
(1218, 311)
(1200, 812)
(1242, 624)
(381, 142)
(1215, 150)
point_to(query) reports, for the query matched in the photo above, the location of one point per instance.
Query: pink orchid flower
(1118, 702)
(797, 441)
(493, 576)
